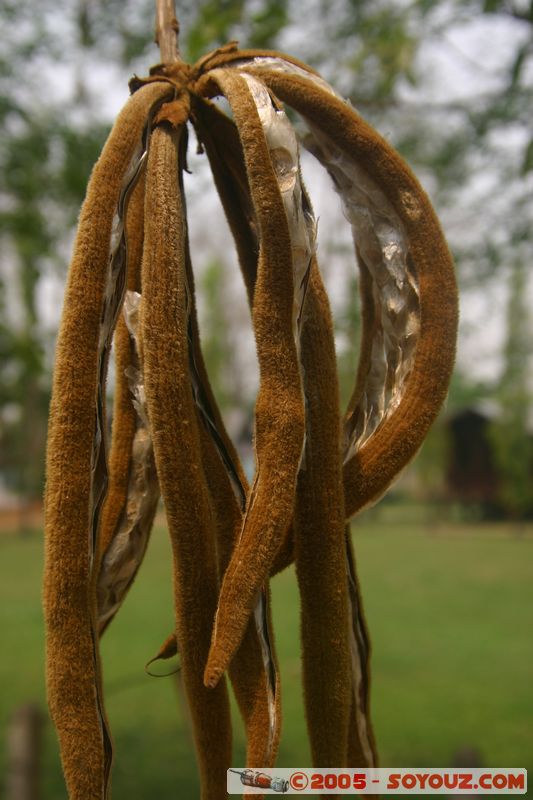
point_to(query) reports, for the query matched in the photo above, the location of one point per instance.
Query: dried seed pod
(133, 491)
(75, 478)
(253, 670)
(319, 543)
(279, 408)
(175, 430)
(362, 751)
(133, 503)
(124, 417)
(222, 531)
(393, 339)
(220, 138)
(411, 311)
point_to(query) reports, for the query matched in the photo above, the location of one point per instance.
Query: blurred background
(446, 559)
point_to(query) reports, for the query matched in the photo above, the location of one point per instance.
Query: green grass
(451, 617)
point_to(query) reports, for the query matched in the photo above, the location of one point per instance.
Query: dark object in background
(472, 475)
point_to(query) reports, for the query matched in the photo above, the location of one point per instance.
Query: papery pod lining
(369, 472)
(125, 552)
(133, 492)
(124, 416)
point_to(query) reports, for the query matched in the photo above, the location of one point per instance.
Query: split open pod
(131, 278)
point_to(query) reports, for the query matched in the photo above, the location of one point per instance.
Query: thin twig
(166, 31)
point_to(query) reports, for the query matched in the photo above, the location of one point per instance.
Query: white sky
(463, 64)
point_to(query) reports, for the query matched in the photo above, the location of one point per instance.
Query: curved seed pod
(253, 670)
(220, 138)
(125, 552)
(231, 56)
(279, 408)
(413, 315)
(175, 430)
(319, 533)
(72, 497)
(230, 176)
(133, 492)
(319, 543)
(255, 685)
(124, 416)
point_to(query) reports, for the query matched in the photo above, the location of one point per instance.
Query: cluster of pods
(131, 285)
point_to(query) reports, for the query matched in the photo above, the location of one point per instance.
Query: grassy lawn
(451, 616)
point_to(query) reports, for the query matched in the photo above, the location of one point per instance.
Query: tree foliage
(512, 433)
(468, 135)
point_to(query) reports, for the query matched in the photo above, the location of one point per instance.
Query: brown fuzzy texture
(226, 541)
(279, 409)
(219, 136)
(124, 414)
(226, 56)
(319, 541)
(247, 672)
(177, 447)
(123, 430)
(370, 471)
(73, 668)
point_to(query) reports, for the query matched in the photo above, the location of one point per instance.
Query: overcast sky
(468, 61)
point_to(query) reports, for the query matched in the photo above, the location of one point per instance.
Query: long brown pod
(319, 512)
(130, 505)
(370, 469)
(317, 502)
(319, 543)
(123, 428)
(370, 463)
(71, 503)
(253, 670)
(361, 743)
(220, 138)
(279, 408)
(177, 446)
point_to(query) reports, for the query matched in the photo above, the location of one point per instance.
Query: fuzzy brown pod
(131, 279)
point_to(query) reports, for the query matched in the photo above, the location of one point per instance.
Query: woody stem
(167, 30)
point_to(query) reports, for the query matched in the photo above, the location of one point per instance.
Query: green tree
(216, 345)
(511, 432)
(473, 149)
